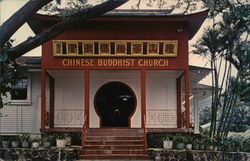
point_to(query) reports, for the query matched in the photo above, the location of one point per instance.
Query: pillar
(51, 101)
(196, 114)
(187, 102)
(143, 98)
(43, 99)
(86, 99)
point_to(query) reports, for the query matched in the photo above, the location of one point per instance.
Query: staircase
(114, 144)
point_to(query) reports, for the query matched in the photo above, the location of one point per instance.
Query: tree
(226, 46)
(76, 12)
(8, 53)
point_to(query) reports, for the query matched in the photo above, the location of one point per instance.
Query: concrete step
(115, 132)
(115, 156)
(115, 138)
(109, 147)
(114, 142)
(115, 151)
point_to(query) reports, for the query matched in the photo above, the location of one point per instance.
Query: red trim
(51, 101)
(178, 91)
(62, 130)
(86, 99)
(187, 112)
(169, 130)
(143, 96)
(43, 99)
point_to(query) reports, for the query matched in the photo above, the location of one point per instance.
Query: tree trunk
(9, 27)
(63, 25)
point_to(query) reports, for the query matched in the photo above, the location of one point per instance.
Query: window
(20, 93)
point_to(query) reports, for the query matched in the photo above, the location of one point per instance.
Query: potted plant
(196, 143)
(15, 141)
(209, 143)
(61, 140)
(179, 142)
(35, 142)
(47, 140)
(5, 142)
(236, 143)
(188, 141)
(25, 139)
(202, 143)
(168, 142)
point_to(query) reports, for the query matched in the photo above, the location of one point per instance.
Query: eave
(194, 21)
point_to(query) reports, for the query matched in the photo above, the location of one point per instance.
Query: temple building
(125, 73)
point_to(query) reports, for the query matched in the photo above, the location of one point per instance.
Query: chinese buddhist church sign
(114, 62)
(115, 48)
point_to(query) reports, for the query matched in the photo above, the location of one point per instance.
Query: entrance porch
(148, 99)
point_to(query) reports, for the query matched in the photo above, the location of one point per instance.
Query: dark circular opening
(115, 104)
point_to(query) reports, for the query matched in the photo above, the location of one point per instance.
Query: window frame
(26, 101)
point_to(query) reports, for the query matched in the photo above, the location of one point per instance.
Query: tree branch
(63, 25)
(9, 27)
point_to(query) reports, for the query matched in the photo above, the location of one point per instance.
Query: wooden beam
(187, 102)
(51, 101)
(87, 90)
(143, 97)
(43, 99)
(178, 95)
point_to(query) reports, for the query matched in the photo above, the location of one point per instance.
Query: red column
(51, 101)
(187, 112)
(143, 97)
(87, 89)
(43, 99)
(178, 93)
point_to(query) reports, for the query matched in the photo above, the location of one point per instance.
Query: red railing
(145, 133)
(84, 129)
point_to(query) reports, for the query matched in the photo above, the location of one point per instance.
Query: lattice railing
(69, 117)
(161, 118)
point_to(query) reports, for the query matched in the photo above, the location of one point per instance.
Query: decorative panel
(114, 48)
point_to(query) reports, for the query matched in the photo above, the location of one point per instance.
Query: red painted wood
(108, 143)
(51, 101)
(143, 97)
(41, 22)
(43, 98)
(87, 97)
(120, 31)
(178, 92)
(62, 130)
(187, 112)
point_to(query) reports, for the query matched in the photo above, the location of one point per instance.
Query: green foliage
(179, 138)
(61, 135)
(205, 115)
(8, 72)
(246, 144)
(225, 45)
(76, 138)
(48, 137)
(25, 137)
(36, 139)
(155, 140)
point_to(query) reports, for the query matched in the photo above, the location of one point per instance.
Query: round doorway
(115, 103)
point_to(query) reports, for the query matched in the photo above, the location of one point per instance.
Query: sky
(25, 31)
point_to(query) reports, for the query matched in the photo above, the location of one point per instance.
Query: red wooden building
(124, 73)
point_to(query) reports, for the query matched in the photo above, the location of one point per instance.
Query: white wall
(161, 99)
(69, 98)
(23, 118)
(100, 77)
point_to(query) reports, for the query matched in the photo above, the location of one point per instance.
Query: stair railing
(145, 133)
(84, 129)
